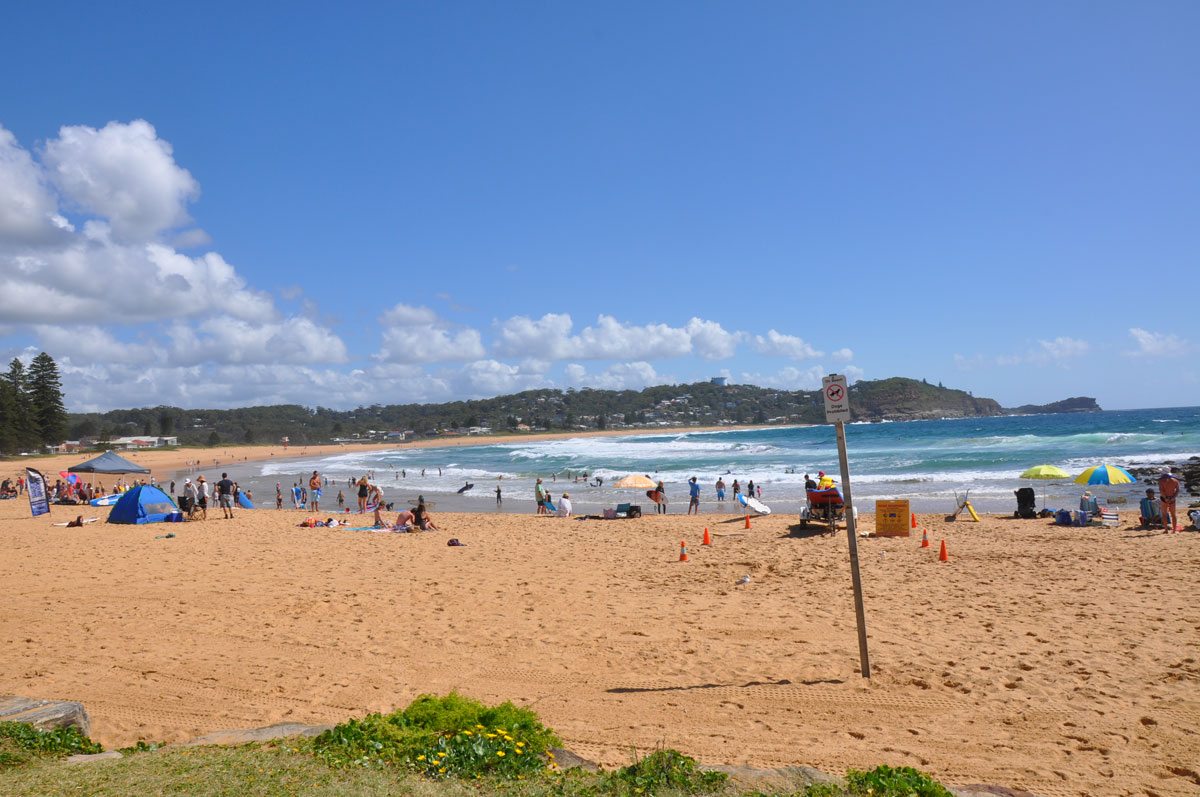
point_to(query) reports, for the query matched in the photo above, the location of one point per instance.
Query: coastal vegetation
(444, 746)
(32, 413)
(697, 404)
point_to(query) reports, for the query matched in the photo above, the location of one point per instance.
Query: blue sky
(220, 205)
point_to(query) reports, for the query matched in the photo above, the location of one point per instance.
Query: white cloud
(123, 173)
(28, 211)
(710, 341)
(1062, 348)
(853, 374)
(550, 338)
(1158, 344)
(776, 344)
(842, 356)
(407, 315)
(228, 340)
(789, 378)
(620, 376)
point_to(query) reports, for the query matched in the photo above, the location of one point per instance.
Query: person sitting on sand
(380, 523)
(564, 506)
(405, 518)
(1087, 503)
(421, 518)
(1151, 514)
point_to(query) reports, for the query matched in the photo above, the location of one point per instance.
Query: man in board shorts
(1168, 488)
(314, 491)
(225, 495)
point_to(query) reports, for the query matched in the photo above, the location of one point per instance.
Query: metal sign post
(837, 412)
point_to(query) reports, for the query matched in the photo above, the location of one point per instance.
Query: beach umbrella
(1045, 473)
(636, 482)
(1104, 474)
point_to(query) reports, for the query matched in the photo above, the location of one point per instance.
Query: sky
(215, 205)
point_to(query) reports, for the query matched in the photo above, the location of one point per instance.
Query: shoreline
(164, 461)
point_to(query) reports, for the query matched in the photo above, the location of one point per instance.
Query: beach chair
(1109, 517)
(1151, 512)
(824, 506)
(1026, 503)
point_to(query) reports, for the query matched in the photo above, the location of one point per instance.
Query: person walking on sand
(1168, 489)
(499, 498)
(341, 499)
(225, 496)
(693, 496)
(314, 491)
(737, 490)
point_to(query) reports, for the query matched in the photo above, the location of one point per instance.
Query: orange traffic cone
(914, 520)
(924, 538)
(747, 521)
(707, 539)
(683, 551)
(943, 557)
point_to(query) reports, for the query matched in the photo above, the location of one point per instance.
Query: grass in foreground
(437, 747)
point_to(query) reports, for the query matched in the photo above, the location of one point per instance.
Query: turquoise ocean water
(927, 462)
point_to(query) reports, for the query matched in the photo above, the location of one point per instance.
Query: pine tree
(8, 428)
(45, 390)
(23, 426)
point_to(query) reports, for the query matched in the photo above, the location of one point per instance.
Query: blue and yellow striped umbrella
(1104, 474)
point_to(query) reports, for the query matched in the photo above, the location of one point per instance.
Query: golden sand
(1058, 660)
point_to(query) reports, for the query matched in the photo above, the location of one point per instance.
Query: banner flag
(35, 486)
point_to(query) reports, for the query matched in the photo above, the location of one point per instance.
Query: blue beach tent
(144, 504)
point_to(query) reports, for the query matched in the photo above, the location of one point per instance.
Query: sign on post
(837, 398)
(892, 519)
(35, 488)
(837, 412)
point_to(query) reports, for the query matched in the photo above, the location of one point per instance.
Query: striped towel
(1109, 517)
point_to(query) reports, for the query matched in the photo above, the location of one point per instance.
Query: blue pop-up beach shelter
(144, 504)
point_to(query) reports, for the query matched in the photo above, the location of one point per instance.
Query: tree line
(32, 412)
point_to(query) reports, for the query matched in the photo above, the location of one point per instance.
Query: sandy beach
(1062, 661)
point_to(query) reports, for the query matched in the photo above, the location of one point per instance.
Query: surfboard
(244, 502)
(107, 500)
(656, 496)
(755, 504)
(464, 488)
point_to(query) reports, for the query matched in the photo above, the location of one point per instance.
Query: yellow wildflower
(491, 736)
(467, 733)
(520, 751)
(500, 753)
(520, 744)
(442, 770)
(420, 758)
(442, 755)
(551, 755)
(480, 727)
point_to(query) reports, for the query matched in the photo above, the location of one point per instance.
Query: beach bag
(1063, 518)
(634, 511)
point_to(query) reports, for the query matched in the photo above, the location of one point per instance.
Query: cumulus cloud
(619, 376)
(789, 378)
(28, 211)
(550, 338)
(418, 335)
(776, 344)
(224, 339)
(1158, 344)
(842, 356)
(123, 173)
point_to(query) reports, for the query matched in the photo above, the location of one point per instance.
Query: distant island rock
(1077, 404)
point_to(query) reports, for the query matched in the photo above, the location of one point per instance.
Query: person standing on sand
(693, 496)
(341, 499)
(661, 500)
(539, 494)
(720, 489)
(499, 498)
(225, 496)
(202, 496)
(737, 490)
(314, 491)
(364, 488)
(278, 495)
(1168, 489)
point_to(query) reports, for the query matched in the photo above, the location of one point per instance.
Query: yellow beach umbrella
(1046, 473)
(1104, 474)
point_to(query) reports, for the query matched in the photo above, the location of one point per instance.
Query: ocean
(930, 463)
